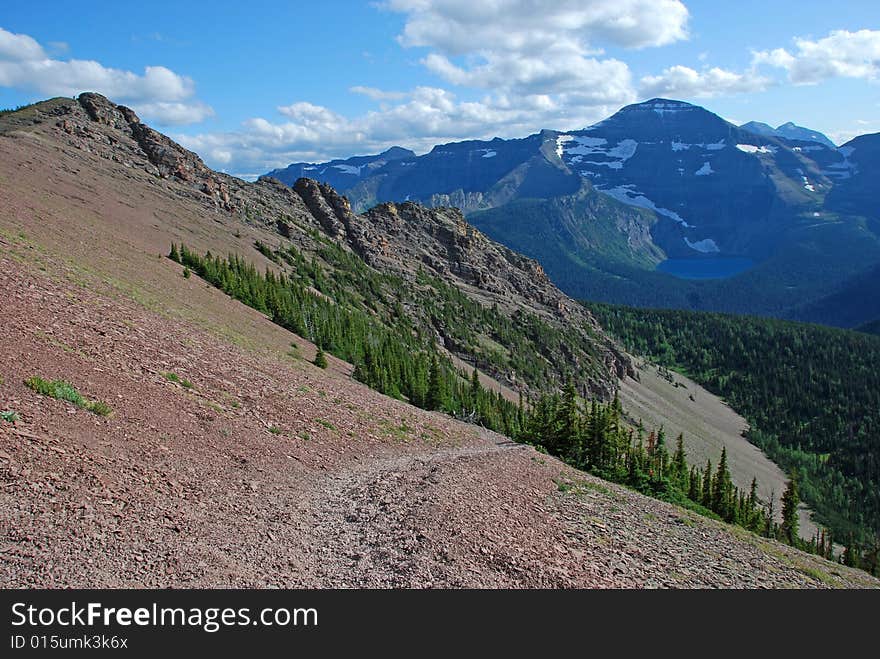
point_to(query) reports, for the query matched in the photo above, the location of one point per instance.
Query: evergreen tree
(707, 486)
(320, 359)
(790, 500)
(722, 488)
(679, 465)
(436, 399)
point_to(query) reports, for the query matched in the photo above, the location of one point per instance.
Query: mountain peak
(397, 153)
(788, 131)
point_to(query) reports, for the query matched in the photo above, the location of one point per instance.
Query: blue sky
(255, 85)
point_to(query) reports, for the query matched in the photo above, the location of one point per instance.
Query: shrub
(321, 359)
(100, 408)
(62, 390)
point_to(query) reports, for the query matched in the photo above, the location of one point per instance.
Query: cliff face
(401, 239)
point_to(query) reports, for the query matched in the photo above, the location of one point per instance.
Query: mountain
(789, 131)
(164, 433)
(760, 128)
(341, 174)
(855, 191)
(787, 220)
(793, 132)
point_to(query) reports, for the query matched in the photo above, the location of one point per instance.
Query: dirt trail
(364, 520)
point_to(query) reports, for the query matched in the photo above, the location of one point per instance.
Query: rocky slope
(268, 472)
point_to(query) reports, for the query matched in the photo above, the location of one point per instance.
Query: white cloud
(175, 114)
(538, 47)
(159, 94)
(458, 27)
(377, 94)
(19, 47)
(681, 81)
(841, 54)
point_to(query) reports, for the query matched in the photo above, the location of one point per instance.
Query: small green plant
(62, 390)
(187, 273)
(305, 436)
(56, 389)
(187, 384)
(10, 416)
(321, 359)
(326, 424)
(100, 408)
(275, 430)
(171, 377)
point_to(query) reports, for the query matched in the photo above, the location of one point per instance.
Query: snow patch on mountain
(714, 146)
(751, 148)
(663, 108)
(627, 194)
(349, 169)
(705, 170)
(578, 146)
(560, 143)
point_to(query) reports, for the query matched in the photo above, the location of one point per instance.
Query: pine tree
(790, 501)
(436, 400)
(174, 255)
(320, 359)
(722, 488)
(695, 491)
(679, 464)
(707, 486)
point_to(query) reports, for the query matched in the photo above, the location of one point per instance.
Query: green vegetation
(320, 359)
(175, 378)
(811, 395)
(65, 391)
(9, 416)
(592, 436)
(389, 353)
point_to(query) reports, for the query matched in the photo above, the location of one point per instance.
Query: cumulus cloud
(458, 27)
(538, 47)
(682, 81)
(841, 54)
(158, 94)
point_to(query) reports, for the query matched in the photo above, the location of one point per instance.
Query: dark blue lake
(712, 268)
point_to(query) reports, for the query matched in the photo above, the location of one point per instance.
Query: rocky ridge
(396, 238)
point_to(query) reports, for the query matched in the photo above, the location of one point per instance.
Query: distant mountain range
(795, 217)
(788, 131)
